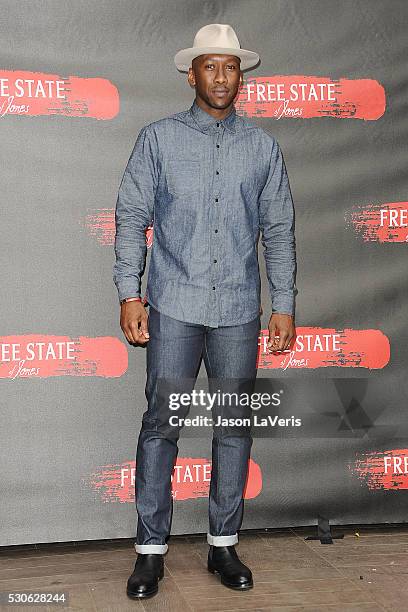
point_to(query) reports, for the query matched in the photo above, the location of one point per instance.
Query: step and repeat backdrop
(78, 81)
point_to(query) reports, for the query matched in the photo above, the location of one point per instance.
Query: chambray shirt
(210, 188)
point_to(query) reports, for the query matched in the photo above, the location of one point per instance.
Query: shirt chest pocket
(183, 177)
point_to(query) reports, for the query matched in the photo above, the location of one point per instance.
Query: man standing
(210, 182)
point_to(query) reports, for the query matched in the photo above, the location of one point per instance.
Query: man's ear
(191, 77)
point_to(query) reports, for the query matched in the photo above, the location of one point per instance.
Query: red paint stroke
(149, 236)
(380, 222)
(253, 485)
(300, 96)
(41, 356)
(318, 347)
(100, 224)
(383, 469)
(37, 93)
(190, 480)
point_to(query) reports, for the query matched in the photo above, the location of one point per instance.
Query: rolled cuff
(127, 289)
(151, 549)
(227, 540)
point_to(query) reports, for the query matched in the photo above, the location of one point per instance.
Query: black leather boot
(234, 574)
(144, 582)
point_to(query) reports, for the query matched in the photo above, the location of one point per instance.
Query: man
(210, 182)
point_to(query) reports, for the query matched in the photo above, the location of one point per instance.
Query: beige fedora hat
(215, 38)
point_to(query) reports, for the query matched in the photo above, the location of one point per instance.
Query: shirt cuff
(128, 289)
(284, 303)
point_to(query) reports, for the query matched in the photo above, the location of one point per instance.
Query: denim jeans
(174, 350)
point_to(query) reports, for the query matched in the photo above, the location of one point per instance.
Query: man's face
(216, 78)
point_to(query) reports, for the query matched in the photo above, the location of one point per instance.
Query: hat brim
(184, 57)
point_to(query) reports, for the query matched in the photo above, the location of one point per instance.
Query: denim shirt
(210, 188)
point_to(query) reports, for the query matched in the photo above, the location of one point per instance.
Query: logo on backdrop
(383, 469)
(373, 222)
(190, 480)
(318, 347)
(41, 356)
(299, 96)
(380, 222)
(313, 347)
(277, 96)
(37, 93)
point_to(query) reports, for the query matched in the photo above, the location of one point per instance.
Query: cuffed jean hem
(151, 549)
(227, 540)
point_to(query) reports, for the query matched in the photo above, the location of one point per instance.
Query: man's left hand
(281, 331)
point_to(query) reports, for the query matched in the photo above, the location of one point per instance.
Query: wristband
(131, 299)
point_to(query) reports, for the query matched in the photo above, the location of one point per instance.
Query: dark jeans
(174, 351)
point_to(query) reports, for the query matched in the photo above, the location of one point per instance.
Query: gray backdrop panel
(57, 280)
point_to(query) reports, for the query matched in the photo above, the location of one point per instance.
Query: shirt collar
(206, 121)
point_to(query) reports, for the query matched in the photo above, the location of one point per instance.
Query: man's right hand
(133, 322)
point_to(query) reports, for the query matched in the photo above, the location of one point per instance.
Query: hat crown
(219, 38)
(216, 35)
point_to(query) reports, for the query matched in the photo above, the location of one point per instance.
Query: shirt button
(213, 287)
(215, 231)
(218, 146)
(216, 199)
(215, 261)
(216, 172)
(218, 125)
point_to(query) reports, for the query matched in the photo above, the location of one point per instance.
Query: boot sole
(145, 594)
(241, 587)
